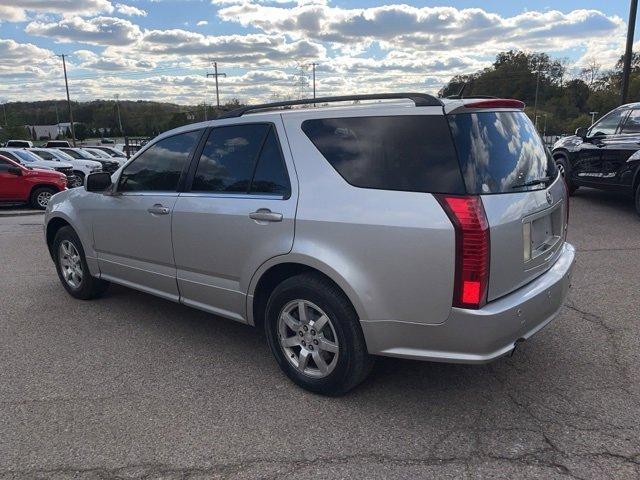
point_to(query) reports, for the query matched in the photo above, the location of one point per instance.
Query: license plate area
(542, 235)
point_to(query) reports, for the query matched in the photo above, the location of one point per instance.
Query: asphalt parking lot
(131, 386)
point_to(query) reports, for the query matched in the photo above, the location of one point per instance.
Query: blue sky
(161, 49)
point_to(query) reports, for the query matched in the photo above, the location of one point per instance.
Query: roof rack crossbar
(420, 99)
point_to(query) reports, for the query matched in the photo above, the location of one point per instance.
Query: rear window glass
(411, 153)
(501, 152)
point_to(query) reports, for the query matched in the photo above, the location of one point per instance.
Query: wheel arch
(41, 185)
(279, 269)
(52, 228)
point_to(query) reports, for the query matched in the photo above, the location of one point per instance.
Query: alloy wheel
(43, 199)
(308, 339)
(70, 264)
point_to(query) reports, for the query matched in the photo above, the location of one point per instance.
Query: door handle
(265, 215)
(158, 209)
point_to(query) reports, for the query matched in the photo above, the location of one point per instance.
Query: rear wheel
(40, 197)
(72, 268)
(315, 335)
(564, 168)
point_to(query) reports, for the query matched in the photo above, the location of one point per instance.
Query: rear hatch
(503, 159)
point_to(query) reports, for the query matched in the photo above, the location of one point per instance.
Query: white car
(100, 152)
(31, 160)
(81, 168)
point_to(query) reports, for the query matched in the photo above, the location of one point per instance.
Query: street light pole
(66, 84)
(626, 70)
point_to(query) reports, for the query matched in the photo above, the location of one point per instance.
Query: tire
(80, 176)
(40, 197)
(637, 199)
(565, 170)
(72, 268)
(339, 344)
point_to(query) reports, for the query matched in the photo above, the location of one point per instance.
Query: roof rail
(420, 99)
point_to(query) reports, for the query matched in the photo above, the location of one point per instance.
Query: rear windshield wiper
(532, 183)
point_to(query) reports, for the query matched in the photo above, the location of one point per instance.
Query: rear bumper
(478, 336)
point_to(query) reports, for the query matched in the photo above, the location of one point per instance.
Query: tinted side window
(228, 158)
(159, 167)
(608, 124)
(10, 156)
(271, 175)
(632, 123)
(410, 153)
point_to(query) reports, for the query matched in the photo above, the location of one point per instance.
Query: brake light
(472, 249)
(496, 103)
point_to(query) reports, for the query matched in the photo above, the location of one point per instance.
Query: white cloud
(95, 31)
(90, 60)
(201, 23)
(16, 10)
(130, 10)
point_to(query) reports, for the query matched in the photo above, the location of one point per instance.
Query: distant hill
(139, 118)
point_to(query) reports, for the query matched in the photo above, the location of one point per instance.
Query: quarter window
(158, 168)
(242, 159)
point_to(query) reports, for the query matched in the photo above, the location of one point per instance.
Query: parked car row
(24, 179)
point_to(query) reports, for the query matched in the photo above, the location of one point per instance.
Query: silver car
(408, 226)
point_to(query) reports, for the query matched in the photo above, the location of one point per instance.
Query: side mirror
(97, 182)
(15, 171)
(581, 132)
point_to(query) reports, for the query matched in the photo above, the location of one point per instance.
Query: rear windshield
(407, 152)
(500, 152)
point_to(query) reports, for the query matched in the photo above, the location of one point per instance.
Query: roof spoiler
(420, 100)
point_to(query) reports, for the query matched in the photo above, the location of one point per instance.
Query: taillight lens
(472, 249)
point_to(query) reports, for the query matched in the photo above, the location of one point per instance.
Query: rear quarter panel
(394, 251)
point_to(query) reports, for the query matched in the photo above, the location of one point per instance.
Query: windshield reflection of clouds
(499, 150)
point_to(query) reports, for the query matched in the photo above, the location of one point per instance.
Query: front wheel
(314, 334)
(40, 197)
(72, 268)
(563, 167)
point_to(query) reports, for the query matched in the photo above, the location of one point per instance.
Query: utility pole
(626, 70)
(66, 84)
(216, 75)
(535, 102)
(313, 66)
(118, 110)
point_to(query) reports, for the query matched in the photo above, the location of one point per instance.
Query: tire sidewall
(341, 320)
(38, 191)
(67, 233)
(561, 160)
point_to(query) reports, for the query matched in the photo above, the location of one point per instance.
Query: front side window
(72, 153)
(608, 124)
(27, 156)
(632, 123)
(242, 159)
(158, 168)
(46, 155)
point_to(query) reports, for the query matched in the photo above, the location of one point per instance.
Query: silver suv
(406, 226)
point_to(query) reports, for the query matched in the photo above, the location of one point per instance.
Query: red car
(19, 184)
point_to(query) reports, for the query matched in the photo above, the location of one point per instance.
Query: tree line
(564, 103)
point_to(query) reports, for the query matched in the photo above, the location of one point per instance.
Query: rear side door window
(158, 169)
(242, 159)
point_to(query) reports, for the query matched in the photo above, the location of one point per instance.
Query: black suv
(605, 155)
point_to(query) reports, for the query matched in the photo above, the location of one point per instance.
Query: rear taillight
(472, 249)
